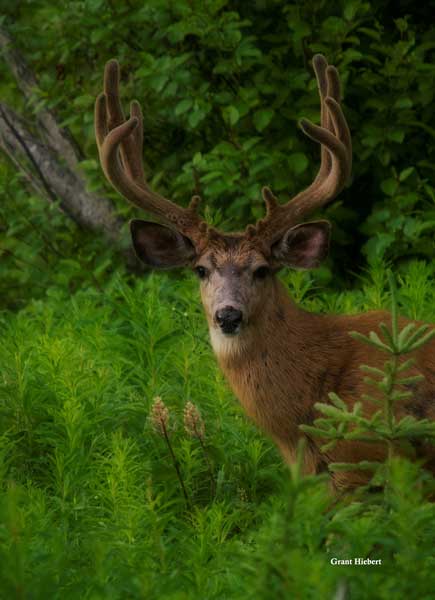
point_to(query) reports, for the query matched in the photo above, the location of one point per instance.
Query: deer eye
(261, 272)
(202, 272)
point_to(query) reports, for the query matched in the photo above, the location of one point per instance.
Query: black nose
(229, 319)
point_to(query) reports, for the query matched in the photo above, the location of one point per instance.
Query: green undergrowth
(90, 501)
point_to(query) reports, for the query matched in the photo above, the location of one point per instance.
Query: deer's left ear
(303, 246)
(159, 246)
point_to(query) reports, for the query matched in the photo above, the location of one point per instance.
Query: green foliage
(42, 251)
(223, 85)
(90, 501)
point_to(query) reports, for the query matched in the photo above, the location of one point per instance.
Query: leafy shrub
(223, 85)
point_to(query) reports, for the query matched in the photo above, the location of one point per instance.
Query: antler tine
(336, 158)
(320, 66)
(120, 144)
(132, 147)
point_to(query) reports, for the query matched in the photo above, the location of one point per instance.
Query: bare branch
(22, 168)
(58, 181)
(56, 137)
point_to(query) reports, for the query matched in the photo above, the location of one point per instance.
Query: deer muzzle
(229, 320)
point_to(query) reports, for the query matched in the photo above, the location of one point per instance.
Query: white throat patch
(225, 345)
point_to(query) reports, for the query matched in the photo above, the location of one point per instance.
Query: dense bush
(223, 85)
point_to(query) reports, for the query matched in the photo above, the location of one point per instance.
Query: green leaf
(195, 117)
(407, 364)
(329, 446)
(396, 135)
(371, 33)
(298, 162)
(97, 35)
(183, 106)
(314, 431)
(231, 115)
(374, 338)
(416, 335)
(424, 340)
(334, 26)
(406, 173)
(377, 245)
(262, 118)
(389, 186)
(197, 159)
(410, 380)
(328, 410)
(159, 81)
(250, 143)
(84, 101)
(404, 334)
(401, 24)
(387, 335)
(350, 10)
(356, 335)
(337, 401)
(403, 103)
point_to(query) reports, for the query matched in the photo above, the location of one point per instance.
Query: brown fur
(286, 359)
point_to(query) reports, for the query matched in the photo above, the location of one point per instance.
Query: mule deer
(279, 359)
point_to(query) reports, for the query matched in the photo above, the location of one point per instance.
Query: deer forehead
(232, 261)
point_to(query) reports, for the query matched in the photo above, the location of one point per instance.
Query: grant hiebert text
(356, 561)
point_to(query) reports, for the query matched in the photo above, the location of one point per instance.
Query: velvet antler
(336, 160)
(120, 143)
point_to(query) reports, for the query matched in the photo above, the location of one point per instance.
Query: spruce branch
(339, 422)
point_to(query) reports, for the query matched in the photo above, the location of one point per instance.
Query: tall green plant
(341, 422)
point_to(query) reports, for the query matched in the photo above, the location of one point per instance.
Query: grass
(91, 504)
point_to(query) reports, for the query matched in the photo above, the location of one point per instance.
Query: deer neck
(269, 365)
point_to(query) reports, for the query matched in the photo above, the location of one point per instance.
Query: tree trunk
(49, 158)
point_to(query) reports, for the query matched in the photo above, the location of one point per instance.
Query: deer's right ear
(160, 247)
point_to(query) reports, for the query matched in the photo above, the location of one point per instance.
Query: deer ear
(303, 246)
(160, 247)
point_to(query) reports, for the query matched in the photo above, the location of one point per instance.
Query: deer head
(236, 269)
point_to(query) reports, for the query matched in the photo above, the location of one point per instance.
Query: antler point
(319, 57)
(112, 63)
(194, 202)
(319, 62)
(250, 231)
(270, 200)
